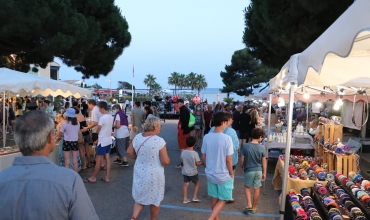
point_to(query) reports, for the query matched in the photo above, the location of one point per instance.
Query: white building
(51, 71)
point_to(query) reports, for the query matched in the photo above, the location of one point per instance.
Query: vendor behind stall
(312, 127)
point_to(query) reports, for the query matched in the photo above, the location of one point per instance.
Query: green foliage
(149, 81)
(87, 34)
(200, 83)
(228, 100)
(245, 73)
(156, 88)
(95, 86)
(191, 80)
(182, 81)
(275, 30)
(174, 79)
(124, 85)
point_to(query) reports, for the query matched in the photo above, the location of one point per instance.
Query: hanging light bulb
(318, 104)
(306, 96)
(339, 102)
(281, 99)
(336, 107)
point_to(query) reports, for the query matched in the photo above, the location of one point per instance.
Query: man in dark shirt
(182, 127)
(207, 119)
(236, 124)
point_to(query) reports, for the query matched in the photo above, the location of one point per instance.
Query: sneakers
(124, 164)
(186, 201)
(195, 200)
(117, 161)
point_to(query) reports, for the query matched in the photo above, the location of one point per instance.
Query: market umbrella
(18, 83)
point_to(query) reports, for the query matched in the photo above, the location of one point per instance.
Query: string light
(318, 104)
(306, 96)
(339, 102)
(336, 107)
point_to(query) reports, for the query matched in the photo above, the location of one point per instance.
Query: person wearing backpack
(183, 127)
(121, 133)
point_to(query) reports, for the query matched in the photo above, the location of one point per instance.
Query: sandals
(89, 181)
(250, 210)
(103, 179)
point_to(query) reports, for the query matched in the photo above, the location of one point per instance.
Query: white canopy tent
(22, 84)
(337, 62)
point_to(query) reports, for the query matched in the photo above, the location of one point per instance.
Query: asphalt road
(113, 200)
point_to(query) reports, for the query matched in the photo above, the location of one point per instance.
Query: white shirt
(106, 122)
(216, 146)
(127, 102)
(95, 117)
(121, 132)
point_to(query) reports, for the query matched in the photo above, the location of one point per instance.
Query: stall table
(296, 184)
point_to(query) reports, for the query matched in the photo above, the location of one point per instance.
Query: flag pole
(132, 87)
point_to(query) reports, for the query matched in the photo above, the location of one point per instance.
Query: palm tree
(174, 79)
(201, 83)
(191, 79)
(182, 81)
(156, 88)
(149, 81)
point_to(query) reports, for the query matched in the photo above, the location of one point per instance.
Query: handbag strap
(137, 152)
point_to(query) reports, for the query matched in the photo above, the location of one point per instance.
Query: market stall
(14, 83)
(342, 50)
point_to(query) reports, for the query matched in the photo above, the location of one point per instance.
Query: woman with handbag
(151, 156)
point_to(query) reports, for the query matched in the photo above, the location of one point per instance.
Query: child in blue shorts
(190, 159)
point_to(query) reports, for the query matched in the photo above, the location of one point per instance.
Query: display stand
(357, 202)
(340, 163)
(322, 209)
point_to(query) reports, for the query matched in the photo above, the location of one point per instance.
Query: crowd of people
(228, 134)
(226, 138)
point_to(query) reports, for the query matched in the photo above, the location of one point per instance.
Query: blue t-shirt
(234, 137)
(253, 154)
(216, 146)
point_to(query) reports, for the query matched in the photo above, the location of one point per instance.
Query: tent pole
(4, 130)
(268, 135)
(287, 151)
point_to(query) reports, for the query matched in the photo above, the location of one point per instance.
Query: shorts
(100, 151)
(70, 145)
(94, 137)
(243, 135)
(133, 133)
(221, 191)
(253, 178)
(87, 139)
(193, 179)
(181, 139)
(238, 133)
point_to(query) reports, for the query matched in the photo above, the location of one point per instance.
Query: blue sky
(182, 36)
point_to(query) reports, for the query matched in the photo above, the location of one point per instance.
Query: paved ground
(113, 200)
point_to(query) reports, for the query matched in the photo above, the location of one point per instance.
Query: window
(54, 74)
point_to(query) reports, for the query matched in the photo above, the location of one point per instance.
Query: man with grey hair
(34, 187)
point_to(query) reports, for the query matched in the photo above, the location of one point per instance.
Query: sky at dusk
(175, 36)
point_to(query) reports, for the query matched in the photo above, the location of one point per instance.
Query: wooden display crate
(331, 132)
(340, 163)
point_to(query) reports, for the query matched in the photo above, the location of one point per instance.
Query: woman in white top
(121, 133)
(151, 156)
(70, 131)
